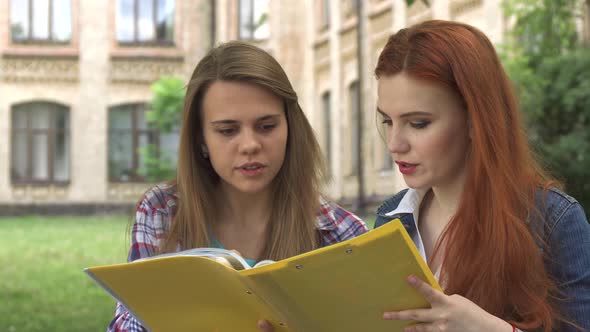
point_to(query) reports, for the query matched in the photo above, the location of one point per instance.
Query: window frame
(29, 40)
(251, 36)
(51, 132)
(150, 43)
(325, 15)
(136, 133)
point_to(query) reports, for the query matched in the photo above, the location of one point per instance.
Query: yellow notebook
(343, 287)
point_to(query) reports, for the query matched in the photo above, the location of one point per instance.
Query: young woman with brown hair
(249, 171)
(509, 248)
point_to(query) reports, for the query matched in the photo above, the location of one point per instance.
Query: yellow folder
(343, 287)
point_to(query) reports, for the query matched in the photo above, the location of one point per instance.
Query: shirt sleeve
(144, 243)
(568, 262)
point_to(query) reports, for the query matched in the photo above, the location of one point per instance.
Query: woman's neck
(446, 198)
(242, 222)
(244, 209)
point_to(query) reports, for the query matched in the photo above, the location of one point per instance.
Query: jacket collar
(410, 202)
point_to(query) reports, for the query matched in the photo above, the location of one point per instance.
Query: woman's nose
(397, 142)
(249, 142)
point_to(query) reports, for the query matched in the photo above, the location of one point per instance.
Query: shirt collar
(410, 203)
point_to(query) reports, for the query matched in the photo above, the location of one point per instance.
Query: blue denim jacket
(564, 234)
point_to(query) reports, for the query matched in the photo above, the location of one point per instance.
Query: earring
(204, 151)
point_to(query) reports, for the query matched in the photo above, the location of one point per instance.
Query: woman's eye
(268, 127)
(227, 131)
(419, 124)
(387, 122)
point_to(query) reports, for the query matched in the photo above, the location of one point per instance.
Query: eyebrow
(405, 115)
(266, 117)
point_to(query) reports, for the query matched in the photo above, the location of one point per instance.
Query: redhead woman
(510, 249)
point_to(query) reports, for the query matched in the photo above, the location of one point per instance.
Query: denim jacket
(564, 235)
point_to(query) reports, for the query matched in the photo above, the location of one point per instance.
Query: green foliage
(166, 105)
(550, 70)
(560, 125)
(165, 115)
(543, 28)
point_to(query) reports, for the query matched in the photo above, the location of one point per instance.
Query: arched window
(40, 143)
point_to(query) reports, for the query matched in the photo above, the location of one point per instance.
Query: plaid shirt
(154, 215)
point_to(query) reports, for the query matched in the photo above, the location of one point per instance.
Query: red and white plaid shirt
(154, 216)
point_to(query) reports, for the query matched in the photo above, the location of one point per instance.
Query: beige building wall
(322, 58)
(93, 72)
(89, 75)
(335, 67)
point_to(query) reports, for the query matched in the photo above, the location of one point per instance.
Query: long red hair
(491, 256)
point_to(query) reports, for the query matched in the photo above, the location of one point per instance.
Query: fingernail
(387, 316)
(412, 279)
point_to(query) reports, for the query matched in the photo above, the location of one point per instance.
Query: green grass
(42, 286)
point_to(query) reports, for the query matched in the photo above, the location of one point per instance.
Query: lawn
(42, 286)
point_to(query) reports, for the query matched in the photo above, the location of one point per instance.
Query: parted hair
(296, 187)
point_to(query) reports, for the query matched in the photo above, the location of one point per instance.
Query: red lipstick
(406, 168)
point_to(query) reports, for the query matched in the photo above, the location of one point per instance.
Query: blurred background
(91, 92)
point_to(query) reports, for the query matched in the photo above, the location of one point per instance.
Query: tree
(549, 67)
(165, 115)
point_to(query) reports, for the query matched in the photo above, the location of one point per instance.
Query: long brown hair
(491, 256)
(296, 188)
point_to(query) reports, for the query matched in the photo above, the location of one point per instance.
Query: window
(327, 128)
(353, 90)
(253, 19)
(145, 22)
(128, 132)
(40, 143)
(41, 21)
(325, 17)
(349, 8)
(354, 6)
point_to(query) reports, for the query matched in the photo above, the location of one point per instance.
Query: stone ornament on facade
(39, 70)
(142, 71)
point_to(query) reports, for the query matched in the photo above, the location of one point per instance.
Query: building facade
(316, 42)
(75, 79)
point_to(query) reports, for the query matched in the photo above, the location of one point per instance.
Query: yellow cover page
(343, 287)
